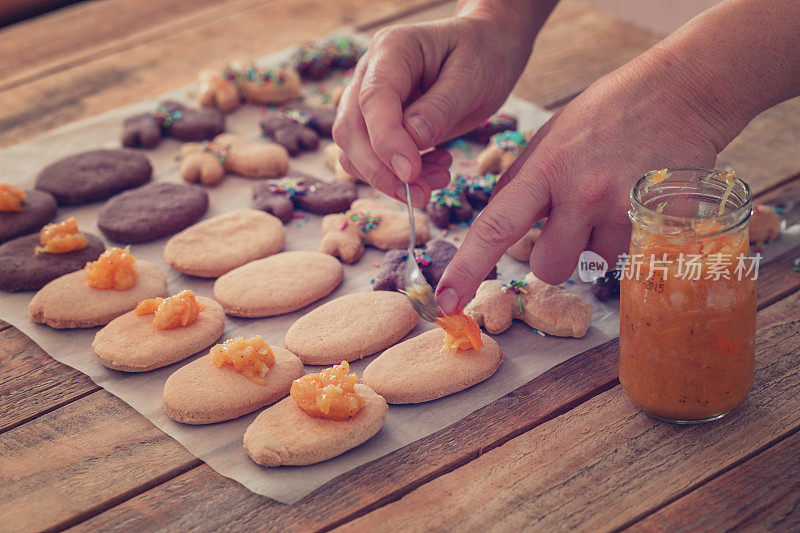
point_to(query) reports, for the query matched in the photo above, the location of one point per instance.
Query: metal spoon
(417, 289)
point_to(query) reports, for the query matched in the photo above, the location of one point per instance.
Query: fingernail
(423, 127)
(402, 167)
(448, 301)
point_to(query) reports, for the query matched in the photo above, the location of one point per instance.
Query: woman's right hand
(421, 84)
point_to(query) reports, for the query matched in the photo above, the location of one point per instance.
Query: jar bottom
(685, 422)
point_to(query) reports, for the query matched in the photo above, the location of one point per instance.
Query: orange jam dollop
(252, 357)
(461, 333)
(329, 394)
(61, 237)
(174, 312)
(11, 198)
(114, 269)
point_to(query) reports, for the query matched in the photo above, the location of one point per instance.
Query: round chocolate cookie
(94, 175)
(21, 269)
(38, 209)
(151, 212)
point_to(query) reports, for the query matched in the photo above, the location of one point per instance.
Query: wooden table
(567, 450)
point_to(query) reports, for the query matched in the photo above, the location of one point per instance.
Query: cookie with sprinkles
(373, 223)
(501, 152)
(247, 82)
(497, 123)
(316, 60)
(298, 127)
(281, 197)
(432, 261)
(171, 119)
(448, 205)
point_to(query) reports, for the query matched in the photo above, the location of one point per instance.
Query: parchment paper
(526, 354)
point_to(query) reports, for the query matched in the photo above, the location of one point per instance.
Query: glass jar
(688, 295)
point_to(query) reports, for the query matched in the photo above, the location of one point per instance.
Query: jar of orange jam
(688, 296)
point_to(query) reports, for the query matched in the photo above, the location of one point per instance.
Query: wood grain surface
(605, 464)
(566, 450)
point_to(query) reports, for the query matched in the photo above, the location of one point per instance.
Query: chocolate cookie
(432, 260)
(280, 197)
(151, 212)
(317, 60)
(477, 189)
(172, 119)
(497, 123)
(298, 127)
(448, 205)
(23, 270)
(38, 209)
(94, 175)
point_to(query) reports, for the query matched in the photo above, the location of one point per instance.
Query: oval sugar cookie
(285, 435)
(69, 302)
(416, 370)
(351, 327)
(278, 284)
(202, 393)
(132, 343)
(214, 246)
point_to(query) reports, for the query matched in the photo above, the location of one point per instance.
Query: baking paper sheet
(526, 354)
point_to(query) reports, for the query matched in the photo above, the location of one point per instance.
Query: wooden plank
(174, 58)
(763, 494)
(37, 46)
(370, 486)
(605, 464)
(32, 383)
(73, 461)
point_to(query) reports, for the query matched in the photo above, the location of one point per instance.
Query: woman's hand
(419, 85)
(578, 171)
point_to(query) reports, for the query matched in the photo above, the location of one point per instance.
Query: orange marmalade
(114, 269)
(461, 333)
(11, 198)
(252, 357)
(688, 296)
(61, 237)
(329, 394)
(176, 311)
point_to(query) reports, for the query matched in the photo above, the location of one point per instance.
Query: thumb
(503, 222)
(434, 115)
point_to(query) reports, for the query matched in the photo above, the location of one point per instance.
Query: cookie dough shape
(542, 306)
(285, 435)
(151, 212)
(38, 208)
(69, 302)
(94, 175)
(202, 393)
(133, 344)
(765, 224)
(351, 327)
(417, 370)
(219, 244)
(278, 284)
(21, 269)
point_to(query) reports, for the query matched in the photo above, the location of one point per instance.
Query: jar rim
(735, 218)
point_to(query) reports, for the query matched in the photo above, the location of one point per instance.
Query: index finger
(505, 220)
(386, 84)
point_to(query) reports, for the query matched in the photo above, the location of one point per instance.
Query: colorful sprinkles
(510, 141)
(796, 265)
(167, 117)
(289, 188)
(364, 221)
(220, 151)
(516, 286)
(447, 197)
